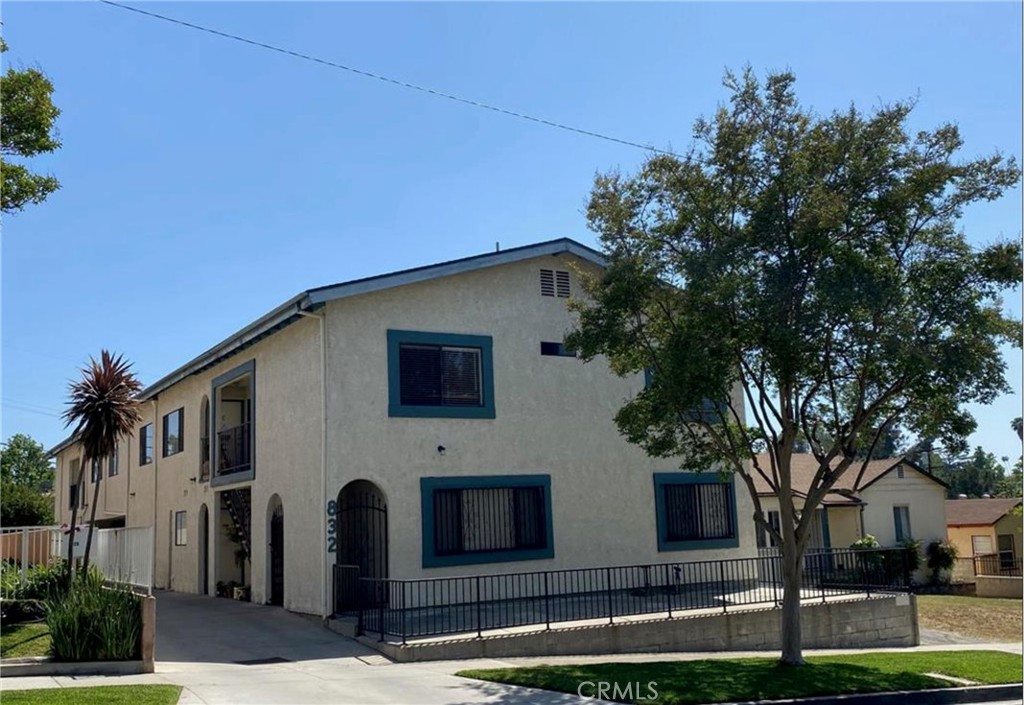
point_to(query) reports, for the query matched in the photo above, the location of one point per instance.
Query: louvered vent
(554, 282)
(547, 282)
(562, 284)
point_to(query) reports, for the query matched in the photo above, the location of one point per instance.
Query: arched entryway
(362, 540)
(275, 519)
(204, 550)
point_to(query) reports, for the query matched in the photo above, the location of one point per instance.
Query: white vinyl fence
(122, 555)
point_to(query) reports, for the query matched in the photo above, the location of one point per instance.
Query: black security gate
(277, 556)
(362, 549)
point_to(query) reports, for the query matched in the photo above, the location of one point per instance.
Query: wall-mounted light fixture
(441, 450)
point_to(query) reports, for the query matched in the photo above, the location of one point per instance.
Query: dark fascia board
(312, 299)
(909, 463)
(458, 266)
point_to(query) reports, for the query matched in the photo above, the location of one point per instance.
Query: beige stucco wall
(554, 415)
(843, 521)
(286, 459)
(925, 497)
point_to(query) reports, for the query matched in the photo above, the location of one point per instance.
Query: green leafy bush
(94, 623)
(941, 557)
(41, 581)
(912, 548)
(866, 542)
(17, 611)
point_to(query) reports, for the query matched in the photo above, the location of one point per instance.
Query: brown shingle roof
(805, 465)
(977, 512)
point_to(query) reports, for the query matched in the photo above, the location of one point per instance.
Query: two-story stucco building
(423, 423)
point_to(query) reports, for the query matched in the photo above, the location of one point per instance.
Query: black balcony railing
(404, 609)
(1003, 564)
(234, 450)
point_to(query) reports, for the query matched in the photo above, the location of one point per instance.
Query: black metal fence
(404, 609)
(1003, 564)
(234, 449)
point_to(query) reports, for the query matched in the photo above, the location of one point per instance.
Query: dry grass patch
(987, 618)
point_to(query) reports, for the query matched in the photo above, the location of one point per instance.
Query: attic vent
(899, 471)
(554, 282)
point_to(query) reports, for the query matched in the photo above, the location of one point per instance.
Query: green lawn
(723, 680)
(24, 640)
(103, 695)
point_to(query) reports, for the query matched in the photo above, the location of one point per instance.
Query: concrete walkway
(290, 659)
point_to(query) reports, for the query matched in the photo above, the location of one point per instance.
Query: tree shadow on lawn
(24, 639)
(714, 680)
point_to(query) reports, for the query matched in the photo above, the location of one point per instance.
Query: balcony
(234, 450)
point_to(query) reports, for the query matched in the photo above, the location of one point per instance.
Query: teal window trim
(661, 479)
(486, 345)
(826, 534)
(429, 484)
(216, 479)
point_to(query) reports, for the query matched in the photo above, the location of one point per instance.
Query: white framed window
(180, 529)
(981, 545)
(901, 521)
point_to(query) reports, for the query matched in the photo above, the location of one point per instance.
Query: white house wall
(925, 497)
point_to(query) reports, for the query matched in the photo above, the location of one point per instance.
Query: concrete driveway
(235, 653)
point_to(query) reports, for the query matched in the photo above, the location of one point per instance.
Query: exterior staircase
(239, 506)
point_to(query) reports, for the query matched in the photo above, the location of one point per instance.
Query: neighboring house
(983, 527)
(893, 500)
(423, 423)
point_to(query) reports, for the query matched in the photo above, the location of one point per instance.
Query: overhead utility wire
(387, 79)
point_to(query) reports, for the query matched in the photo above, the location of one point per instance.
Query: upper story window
(440, 375)
(95, 470)
(556, 350)
(555, 282)
(146, 444)
(233, 415)
(174, 427)
(73, 488)
(695, 511)
(112, 462)
(485, 519)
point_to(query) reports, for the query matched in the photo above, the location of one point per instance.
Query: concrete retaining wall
(999, 586)
(872, 622)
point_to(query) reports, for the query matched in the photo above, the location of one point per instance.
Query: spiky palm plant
(104, 409)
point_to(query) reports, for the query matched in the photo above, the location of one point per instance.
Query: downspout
(325, 611)
(156, 477)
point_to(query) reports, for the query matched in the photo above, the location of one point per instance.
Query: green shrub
(41, 581)
(94, 623)
(867, 542)
(941, 556)
(912, 548)
(17, 611)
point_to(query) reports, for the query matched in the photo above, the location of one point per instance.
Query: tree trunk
(792, 635)
(92, 521)
(69, 568)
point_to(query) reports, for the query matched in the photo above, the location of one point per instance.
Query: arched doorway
(275, 517)
(362, 549)
(204, 550)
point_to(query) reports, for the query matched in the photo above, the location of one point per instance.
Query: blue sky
(205, 182)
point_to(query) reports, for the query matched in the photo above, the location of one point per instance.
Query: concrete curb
(43, 666)
(940, 696)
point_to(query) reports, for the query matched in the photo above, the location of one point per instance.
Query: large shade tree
(27, 129)
(104, 409)
(815, 263)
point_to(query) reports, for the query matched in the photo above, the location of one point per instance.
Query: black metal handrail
(234, 449)
(1001, 564)
(471, 604)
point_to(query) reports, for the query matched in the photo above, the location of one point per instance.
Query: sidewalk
(373, 679)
